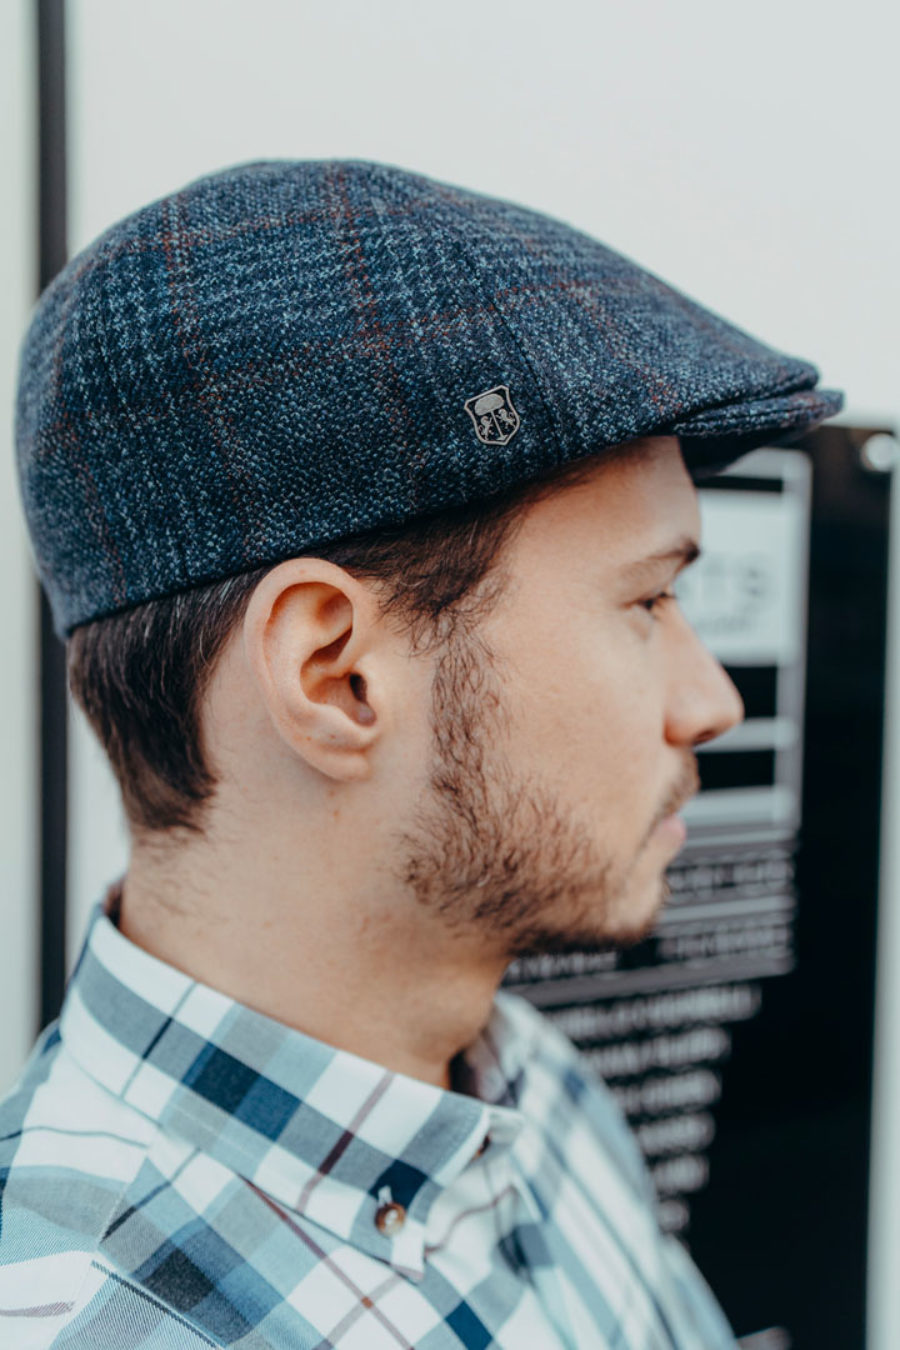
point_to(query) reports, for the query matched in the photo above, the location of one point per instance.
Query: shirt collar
(325, 1133)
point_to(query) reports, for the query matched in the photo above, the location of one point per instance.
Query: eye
(654, 602)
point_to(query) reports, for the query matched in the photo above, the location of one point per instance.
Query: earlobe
(311, 637)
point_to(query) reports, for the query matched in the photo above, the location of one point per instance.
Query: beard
(494, 854)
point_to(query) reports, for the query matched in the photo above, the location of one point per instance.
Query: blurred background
(747, 155)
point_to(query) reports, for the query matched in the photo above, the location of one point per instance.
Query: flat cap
(288, 352)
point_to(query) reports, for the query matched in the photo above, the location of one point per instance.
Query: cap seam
(562, 457)
(562, 282)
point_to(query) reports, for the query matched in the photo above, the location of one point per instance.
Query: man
(359, 499)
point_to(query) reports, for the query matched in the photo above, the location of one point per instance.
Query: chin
(633, 923)
(590, 925)
(636, 917)
(657, 896)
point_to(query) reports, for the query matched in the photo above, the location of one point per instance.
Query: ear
(314, 643)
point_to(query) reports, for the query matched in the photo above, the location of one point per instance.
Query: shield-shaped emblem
(493, 415)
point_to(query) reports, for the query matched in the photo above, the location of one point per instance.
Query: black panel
(738, 1038)
(52, 249)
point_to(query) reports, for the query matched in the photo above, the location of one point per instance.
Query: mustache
(687, 787)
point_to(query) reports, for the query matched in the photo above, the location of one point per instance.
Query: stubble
(492, 853)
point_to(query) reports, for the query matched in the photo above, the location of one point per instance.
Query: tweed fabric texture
(288, 352)
(179, 1171)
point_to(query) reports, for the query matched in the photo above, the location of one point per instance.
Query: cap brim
(715, 437)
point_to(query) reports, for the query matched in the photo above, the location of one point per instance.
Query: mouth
(672, 827)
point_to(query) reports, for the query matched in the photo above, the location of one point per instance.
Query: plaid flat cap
(289, 352)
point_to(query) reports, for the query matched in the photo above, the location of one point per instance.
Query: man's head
(323, 468)
(504, 750)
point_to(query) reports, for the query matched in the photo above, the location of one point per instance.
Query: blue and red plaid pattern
(288, 352)
(179, 1171)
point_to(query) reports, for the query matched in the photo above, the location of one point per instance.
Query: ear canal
(364, 713)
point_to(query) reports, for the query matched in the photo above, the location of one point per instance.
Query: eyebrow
(685, 549)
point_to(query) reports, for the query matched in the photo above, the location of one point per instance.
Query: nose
(703, 700)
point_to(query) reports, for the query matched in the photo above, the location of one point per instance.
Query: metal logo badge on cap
(495, 419)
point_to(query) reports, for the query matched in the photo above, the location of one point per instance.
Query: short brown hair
(140, 675)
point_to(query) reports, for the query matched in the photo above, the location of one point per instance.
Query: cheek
(585, 717)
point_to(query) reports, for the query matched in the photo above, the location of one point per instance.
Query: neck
(344, 959)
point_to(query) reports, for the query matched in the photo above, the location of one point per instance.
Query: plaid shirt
(179, 1171)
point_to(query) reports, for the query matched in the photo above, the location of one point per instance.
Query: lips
(674, 826)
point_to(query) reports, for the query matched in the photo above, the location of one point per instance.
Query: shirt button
(484, 1143)
(389, 1219)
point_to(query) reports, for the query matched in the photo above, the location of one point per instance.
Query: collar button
(484, 1144)
(389, 1219)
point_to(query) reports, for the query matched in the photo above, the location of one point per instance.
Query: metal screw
(880, 453)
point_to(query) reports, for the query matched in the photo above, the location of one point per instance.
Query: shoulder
(546, 1039)
(557, 1061)
(68, 1152)
(550, 1046)
(116, 1233)
(108, 1312)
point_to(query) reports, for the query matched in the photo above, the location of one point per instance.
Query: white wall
(747, 154)
(18, 594)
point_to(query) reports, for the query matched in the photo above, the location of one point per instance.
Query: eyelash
(654, 601)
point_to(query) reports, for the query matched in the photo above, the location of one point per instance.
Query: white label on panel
(742, 596)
